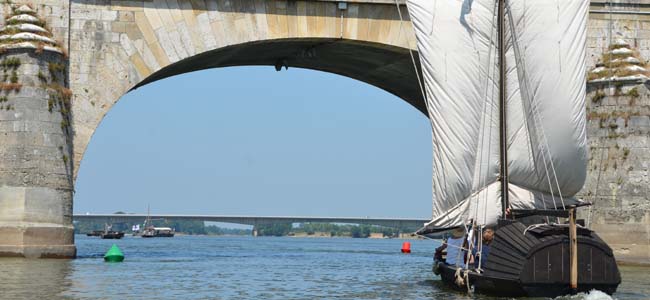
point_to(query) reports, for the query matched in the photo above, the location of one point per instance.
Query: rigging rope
(536, 115)
(408, 44)
(485, 119)
(480, 248)
(424, 97)
(600, 169)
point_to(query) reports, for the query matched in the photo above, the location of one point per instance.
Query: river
(202, 267)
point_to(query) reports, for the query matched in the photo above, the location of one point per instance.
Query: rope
(408, 43)
(533, 227)
(478, 161)
(466, 277)
(459, 279)
(462, 278)
(600, 169)
(480, 248)
(426, 102)
(470, 241)
(537, 118)
(491, 118)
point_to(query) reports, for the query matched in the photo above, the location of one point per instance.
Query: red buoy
(406, 247)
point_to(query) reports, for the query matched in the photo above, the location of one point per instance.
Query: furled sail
(545, 90)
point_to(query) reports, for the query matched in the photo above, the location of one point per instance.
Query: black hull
(158, 235)
(537, 265)
(500, 287)
(112, 235)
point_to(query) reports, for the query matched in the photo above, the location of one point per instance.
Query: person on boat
(440, 251)
(488, 236)
(455, 246)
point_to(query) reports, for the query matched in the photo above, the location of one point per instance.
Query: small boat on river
(151, 231)
(107, 233)
(95, 233)
(112, 235)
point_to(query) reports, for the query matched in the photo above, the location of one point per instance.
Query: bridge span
(255, 220)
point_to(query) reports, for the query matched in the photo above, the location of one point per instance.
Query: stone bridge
(111, 47)
(66, 63)
(116, 46)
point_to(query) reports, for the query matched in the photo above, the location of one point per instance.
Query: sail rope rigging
(486, 118)
(424, 96)
(600, 169)
(527, 126)
(536, 114)
(408, 44)
(491, 115)
(480, 248)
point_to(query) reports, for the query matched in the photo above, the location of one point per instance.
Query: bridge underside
(387, 67)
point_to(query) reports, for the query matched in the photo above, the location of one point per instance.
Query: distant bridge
(254, 220)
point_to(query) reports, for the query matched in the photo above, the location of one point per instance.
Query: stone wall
(36, 182)
(618, 183)
(619, 137)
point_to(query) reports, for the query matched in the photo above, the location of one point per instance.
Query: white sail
(545, 88)
(546, 93)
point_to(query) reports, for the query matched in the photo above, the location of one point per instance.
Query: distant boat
(95, 233)
(107, 233)
(110, 234)
(151, 231)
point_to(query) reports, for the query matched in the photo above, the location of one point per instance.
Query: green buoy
(114, 254)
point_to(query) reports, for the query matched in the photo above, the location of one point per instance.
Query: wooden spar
(573, 246)
(503, 133)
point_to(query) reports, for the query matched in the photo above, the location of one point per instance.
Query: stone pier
(36, 141)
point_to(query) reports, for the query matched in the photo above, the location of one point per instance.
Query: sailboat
(150, 230)
(504, 84)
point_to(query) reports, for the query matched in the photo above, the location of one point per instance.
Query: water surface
(192, 267)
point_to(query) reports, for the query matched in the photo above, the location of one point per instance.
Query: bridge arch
(138, 42)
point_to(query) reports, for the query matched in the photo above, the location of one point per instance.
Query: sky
(253, 141)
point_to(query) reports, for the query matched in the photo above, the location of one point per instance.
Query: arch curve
(127, 44)
(387, 67)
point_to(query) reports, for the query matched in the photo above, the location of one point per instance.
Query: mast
(503, 133)
(148, 220)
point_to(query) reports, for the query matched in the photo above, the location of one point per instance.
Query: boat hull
(112, 235)
(500, 287)
(536, 264)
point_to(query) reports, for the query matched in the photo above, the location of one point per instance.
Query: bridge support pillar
(36, 180)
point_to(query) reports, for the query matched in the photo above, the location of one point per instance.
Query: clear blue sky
(249, 140)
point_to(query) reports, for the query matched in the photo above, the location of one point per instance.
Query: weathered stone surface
(36, 152)
(618, 181)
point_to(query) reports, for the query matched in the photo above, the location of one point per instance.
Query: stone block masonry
(35, 141)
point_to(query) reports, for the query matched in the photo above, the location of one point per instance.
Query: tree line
(341, 230)
(276, 229)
